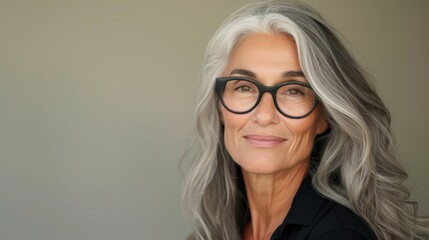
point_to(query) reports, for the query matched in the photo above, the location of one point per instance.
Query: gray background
(97, 97)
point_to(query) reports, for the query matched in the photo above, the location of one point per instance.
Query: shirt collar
(304, 208)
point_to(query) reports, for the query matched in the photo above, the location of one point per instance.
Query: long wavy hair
(355, 163)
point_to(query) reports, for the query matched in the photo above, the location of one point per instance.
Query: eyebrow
(243, 72)
(285, 75)
(290, 74)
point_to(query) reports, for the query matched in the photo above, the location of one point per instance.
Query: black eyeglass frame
(221, 83)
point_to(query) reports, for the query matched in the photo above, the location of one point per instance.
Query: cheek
(232, 120)
(311, 125)
(233, 123)
(301, 144)
(302, 127)
(304, 132)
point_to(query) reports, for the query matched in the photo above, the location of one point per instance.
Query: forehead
(265, 41)
(265, 46)
(268, 55)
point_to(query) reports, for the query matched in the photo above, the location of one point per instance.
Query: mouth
(264, 140)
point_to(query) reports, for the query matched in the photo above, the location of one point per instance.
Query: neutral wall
(96, 103)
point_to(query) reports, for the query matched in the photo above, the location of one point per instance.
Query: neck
(270, 198)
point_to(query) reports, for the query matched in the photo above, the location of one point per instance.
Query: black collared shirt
(313, 217)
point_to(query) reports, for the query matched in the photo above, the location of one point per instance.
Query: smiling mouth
(264, 140)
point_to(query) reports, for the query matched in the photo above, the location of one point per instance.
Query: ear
(322, 126)
(322, 122)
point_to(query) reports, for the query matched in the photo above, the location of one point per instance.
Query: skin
(272, 150)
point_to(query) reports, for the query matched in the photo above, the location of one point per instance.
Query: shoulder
(315, 217)
(338, 222)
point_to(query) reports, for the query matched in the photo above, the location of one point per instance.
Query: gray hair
(357, 166)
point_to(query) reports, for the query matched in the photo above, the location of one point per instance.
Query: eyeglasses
(241, 95)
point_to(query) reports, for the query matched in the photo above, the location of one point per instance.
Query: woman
(292, 141)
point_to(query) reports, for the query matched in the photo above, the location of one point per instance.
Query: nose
(266, 112)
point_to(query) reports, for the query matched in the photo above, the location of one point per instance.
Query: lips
(264, 140)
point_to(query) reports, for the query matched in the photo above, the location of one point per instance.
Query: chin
(260, 165)
(266, 164)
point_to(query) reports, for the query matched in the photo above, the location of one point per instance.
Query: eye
(244, 88)
(292, 91)
(295, 91)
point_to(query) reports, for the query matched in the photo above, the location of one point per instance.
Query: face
(264, 141)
